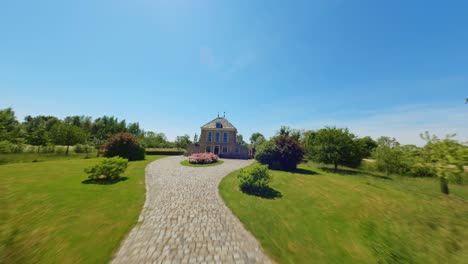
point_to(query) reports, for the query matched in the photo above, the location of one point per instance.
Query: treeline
(44, 132)
(442, 158)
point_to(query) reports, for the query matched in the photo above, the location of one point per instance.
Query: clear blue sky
(393, 68)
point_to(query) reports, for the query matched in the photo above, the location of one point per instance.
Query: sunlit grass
(47, 215)
(354, 218)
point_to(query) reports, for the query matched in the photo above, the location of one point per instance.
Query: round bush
(283, 152)
(255, 179)
(124, 145)
(107, 169)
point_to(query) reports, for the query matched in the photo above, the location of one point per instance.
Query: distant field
(47, 215)
(323, 217)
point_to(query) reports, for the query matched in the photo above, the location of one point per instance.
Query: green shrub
(422, 170)
(60, 149)
(82, 148)
(49, 148)
(8, 147)
(107, 169)
(255, 179)
(124, 145)
(265, 153)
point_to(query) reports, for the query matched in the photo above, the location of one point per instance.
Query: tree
(287, 131)
(387, 142)
(182, 142)
(282, 152)
(37, 129)
(124, 145)
(68, 135)
(446, 157)
(240, 140)
(367, 145)
(9, 126)
(255, 136)
(195, 138)
(258, 141)
(104, 127)
(389, 159)
(335, 146)
(134, 129)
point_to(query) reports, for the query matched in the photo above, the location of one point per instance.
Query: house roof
(222, 120)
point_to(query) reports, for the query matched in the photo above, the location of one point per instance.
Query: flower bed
(202, 158)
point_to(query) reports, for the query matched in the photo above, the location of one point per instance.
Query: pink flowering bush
(203, 158)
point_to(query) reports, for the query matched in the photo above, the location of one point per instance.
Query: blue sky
(393, 68)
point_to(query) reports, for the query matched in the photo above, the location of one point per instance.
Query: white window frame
(225, 148)
(226, 139)
(217, 137)
(208, 136)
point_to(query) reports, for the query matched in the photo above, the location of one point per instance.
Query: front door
(216, 150)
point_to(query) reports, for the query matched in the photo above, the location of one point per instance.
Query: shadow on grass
(267, 193)
(104, 182)
(355, 172)
(304, 171)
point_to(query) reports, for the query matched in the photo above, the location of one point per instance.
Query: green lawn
(47, 215)
(187, 163)
(331, 218)
(26, 157)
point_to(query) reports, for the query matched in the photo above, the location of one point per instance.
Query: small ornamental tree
(107, 169)
(282, 152)
(289, 152)
(124, 145)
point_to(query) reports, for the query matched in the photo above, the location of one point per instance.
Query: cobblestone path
(184, 219)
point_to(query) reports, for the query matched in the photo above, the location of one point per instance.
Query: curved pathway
(184, 219)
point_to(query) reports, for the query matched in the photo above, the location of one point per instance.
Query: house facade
(219, 137)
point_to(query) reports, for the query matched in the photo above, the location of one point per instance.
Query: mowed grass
(47, 215)
(26, 157)
(323, 217)
(187, 163)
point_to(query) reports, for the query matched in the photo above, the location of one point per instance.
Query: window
(219, 125)
(209, 137)
(208, 148)
(225, 137)
(237, 150)
(217, 136)
(225, 149)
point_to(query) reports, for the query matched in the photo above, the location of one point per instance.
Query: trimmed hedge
(164, 152)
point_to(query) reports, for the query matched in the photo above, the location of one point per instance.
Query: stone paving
(184, 219)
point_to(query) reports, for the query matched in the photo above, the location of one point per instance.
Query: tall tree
(367, 145)
(182, 142)
(240, 140)
(287, 131)
(68, 135)
(254, 137)
(9, 126)
(37, 129)
(335, 146)
(134, 129)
